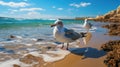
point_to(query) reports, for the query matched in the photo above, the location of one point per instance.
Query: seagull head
(57, 23)
(86, 20)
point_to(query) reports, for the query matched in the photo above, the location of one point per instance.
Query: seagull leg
(87, 30)
(67, 46)
(62, 46)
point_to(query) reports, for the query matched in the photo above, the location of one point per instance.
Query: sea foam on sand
(49, 56)
(12, 62)
(9, 63)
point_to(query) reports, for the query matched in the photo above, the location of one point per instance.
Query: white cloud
(59, 8)
(31, 9)
(33, 13)
(82, 4)
(14, 4)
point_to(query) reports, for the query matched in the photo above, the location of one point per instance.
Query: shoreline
(77, 57)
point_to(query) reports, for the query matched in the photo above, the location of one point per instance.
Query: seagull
(64, 35)
(87, 25)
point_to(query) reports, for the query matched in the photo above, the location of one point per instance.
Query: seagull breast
(87, 25)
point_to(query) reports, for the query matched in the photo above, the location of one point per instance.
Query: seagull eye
(59, 22)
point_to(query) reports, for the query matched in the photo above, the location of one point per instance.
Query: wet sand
(73, 60)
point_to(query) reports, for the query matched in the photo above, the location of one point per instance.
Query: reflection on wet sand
(86, 39)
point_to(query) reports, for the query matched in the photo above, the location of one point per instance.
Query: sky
(51, 9)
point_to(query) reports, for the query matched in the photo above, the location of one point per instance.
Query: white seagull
(64, 35)
(87, 25)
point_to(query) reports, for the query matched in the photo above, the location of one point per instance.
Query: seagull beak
(53, 25)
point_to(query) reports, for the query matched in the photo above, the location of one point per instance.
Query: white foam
(30, 39)
(19, 37)
(35, 53)
(11, 62)
(28, 44)
(59, 54)
(33, 39)
(39, 43)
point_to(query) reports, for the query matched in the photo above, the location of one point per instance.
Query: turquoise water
(31, 28)
(7, 23)
(39, 28)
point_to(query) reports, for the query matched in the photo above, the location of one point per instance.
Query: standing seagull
(64, 35)
(87, 25)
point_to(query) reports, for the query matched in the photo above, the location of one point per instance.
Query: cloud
(14, 4)
(59, 8)
(33, 13)
(31, 9)
(82, 4)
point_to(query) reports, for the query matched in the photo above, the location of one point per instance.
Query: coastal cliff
(112, 16)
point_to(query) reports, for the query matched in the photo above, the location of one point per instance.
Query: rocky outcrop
(113, 55)
(113, 29)
(112, 16)
(30, 61)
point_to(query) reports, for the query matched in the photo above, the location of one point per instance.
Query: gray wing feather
(90, 25)
(69, 33)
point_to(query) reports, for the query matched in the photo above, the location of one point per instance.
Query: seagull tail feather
(82, 34)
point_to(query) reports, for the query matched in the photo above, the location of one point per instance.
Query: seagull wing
(69, 33)
(90, 25)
